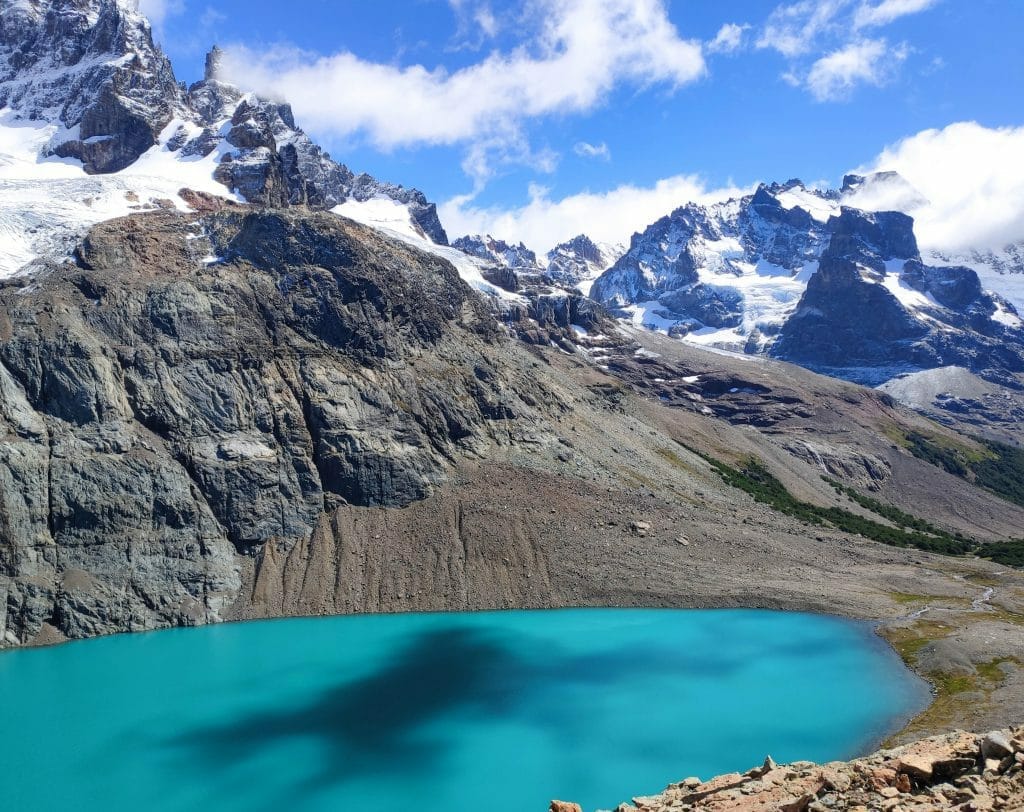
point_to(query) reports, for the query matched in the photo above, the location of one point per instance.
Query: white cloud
(588, 150)
(728, 39)
(885, 12)
(611, 216)
(477, 22)
(972, 178)
(794, 29)
(156, 11)
(869, 61)
(802, 30)
(583, 50)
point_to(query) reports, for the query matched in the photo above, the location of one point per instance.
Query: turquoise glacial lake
(500, 711)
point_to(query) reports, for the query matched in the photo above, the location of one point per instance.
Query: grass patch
(903, 598)
(993, 671)
(950, 688)
(674, 459)
(909, 640)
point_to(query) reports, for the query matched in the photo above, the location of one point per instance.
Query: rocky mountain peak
(872, 236)
(214, 64)
(92, 67)
(801, 274)
(579, 261)
(503, 254)
(90, 72)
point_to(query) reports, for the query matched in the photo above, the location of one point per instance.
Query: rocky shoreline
(958, 771)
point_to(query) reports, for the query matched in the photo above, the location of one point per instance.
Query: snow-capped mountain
(94, 125)
(874, 309)
(722, 273)
(793, 272)
(500, 253)
(579, 261)
(1000, 267)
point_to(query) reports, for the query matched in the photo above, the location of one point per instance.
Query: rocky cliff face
(576, 263)
(165, 413)
(874, 308)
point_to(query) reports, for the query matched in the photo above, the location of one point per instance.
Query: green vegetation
(1003, 474)
(993, 671)
(756, 480)
(901, 519)
(905, 530)
(950, 687)
(948, 458)
(1009, 553)
(999, 468)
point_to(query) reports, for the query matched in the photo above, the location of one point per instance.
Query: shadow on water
(381, 725)
(375, 723)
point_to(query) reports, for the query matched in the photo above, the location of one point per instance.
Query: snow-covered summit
(579, 261)
(86, 93)
(757, 274)
(500, 253)
(90, 68)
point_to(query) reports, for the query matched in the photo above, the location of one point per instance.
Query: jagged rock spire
(214, 63)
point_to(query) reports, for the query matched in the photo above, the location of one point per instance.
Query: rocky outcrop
(958, 771)
(548, 310)
(167, 415)
(500, 253)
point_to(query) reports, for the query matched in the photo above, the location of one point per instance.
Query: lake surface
(438, 713)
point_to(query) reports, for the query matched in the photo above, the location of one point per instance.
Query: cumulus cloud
(728, 39)
(868, 15)
(588, 150)
(583, 50)
(971, 179)
(611, 216)
(869, 61)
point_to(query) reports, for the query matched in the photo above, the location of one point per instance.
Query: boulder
(996, 745)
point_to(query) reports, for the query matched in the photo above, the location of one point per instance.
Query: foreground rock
(958, 771)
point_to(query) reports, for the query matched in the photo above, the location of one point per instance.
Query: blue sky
(493, 106)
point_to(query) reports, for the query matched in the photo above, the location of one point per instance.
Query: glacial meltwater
(501, 711)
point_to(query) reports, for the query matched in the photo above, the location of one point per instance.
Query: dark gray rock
(165, 418)
(850, 324)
